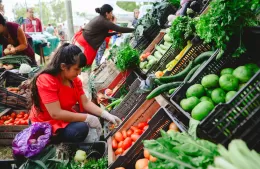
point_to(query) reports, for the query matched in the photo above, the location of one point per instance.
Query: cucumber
(114, 103)
(179, 76)
(192, 71)
(171, 91)
(157, 81)
(161, 89)
(202, 57)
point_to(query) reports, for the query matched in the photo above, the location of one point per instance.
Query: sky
(77, 5)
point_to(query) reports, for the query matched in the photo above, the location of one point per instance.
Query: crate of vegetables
(117, 89)
(11, 123)
(225, 97)
(13, 90)
(125, 147)
(152, 60)
(181, 69)
(126, 108)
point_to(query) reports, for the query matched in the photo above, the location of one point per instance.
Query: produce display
(15, 119)
(148, 59)
(125, 139)
(23, 89)
(170, 83)
(215, 89)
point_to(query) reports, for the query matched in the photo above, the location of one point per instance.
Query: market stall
(186, 87)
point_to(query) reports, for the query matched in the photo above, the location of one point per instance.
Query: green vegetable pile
(226, 18)
(90, 164)
(176, 150)
(127, 58)
(238, 156)
(214, 89)
(182, 29)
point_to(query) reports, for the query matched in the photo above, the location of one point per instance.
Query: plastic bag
(32, 140)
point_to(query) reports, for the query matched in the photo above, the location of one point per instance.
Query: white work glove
(94, 122)
(111, 118)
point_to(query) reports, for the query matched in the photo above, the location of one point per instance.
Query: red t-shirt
(29, 26)
(51, 89)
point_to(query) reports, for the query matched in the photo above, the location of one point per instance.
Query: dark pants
(74, 132)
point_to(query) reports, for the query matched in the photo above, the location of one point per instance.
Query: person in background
(12, 34)
(61, 34)
(32, 24)
(56, 32)
(50, 29)
(91, 37)
(104, 45)
(136, 15)
(55, 92)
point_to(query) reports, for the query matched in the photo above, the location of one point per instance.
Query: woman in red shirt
(57, 89)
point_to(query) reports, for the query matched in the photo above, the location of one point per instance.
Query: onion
(141, 164)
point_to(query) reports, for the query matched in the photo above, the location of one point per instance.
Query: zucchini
(114, 103)
(179, 76)
(164, 47)
(157, 55)
(167, 44)
(151, 57)
(202, 57)
(171, 91)
(157, 81)
(192, 71)
(163, 88)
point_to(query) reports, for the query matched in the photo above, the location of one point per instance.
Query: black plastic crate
(12, 100)
(219, 125)
(94, 150)
(127, 107)
(10, 79)
(160, 120)
(193, 52)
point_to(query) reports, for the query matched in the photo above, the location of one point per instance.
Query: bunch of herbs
(225, 19)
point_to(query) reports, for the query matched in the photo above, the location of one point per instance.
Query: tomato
(127, 143)
(129, 133)
(11, 121)
(114, 144)
(146, 127)
(138, 131)
(146, 154)
(135, 137)
(19, 116)
(2, 121)
(173, 126)
(119, 151)
(134, 128)
(25, 117)
(23, 122)
(120, 144)
(118, 136)
(152, 158)
(124, 134)
(13, 115)
(16, 122)
(142, 125)
(141, 164)
(22, 113)
(26, 122)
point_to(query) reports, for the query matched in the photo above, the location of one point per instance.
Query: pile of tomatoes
(124, 139)
(15, 119)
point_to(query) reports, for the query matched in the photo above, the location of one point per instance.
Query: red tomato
(119, 151)
(23, 122)
(119, 137)
(138, 131)
(124, 134)
(127, 143)
(25, 116)
(2, 121)
(11, 121)
(129, 133)
(134, 128)
(13, 115)
(22, 113)
(120, 144)
(19, 116)
(16, 122)
(4, 118)
(26, 122)
(135, 137)
(142, 125)
(114, 144)
(146, 127)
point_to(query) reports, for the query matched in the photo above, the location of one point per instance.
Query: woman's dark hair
(69, 55)
(105, 8)
(2, 20)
